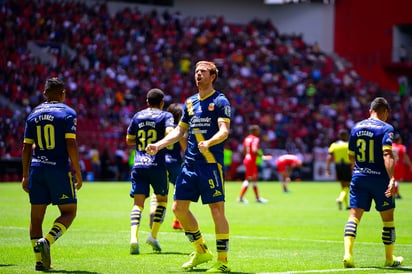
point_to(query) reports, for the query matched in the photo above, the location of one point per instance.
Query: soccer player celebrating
(206, 118)
(370, 149)
(147, 126)
(49, 143)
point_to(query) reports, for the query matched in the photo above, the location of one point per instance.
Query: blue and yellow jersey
(149, 126)
(173, 153)
(367, 141)
(201, 117)
(47, 128)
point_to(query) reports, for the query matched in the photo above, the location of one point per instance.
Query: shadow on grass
(57, 270)
(70, 271)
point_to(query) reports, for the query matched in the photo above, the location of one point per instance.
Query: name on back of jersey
(147, 124)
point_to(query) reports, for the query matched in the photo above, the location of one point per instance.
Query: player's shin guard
(153, 203)
(135, 216)
(197, 241)
(56, 232)
(388, 238)
(158, 218)
(350, 235)
(222, 246)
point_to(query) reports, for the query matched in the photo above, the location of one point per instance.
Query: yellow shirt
(339, 149)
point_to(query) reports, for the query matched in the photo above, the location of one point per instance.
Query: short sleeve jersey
(149, 126)
(339, 149)
(201, 117)
(47, 128)
(368, 139)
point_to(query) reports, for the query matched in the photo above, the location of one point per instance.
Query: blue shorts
(365, 189)
(143, 178)
(205, 180)
(51, 185)
(173, 170)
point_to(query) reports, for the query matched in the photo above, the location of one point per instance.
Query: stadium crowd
(299, 95)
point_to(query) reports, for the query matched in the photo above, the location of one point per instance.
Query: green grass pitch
(297, 232)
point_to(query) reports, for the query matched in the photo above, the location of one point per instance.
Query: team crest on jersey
(211, 107)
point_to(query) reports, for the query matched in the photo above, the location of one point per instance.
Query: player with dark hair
(401, 158)
(206, 118)
(148, 126)
(174, 160)
(49, 143)
(338, 153)
(370, 150)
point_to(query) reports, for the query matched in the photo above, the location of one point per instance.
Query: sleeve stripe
(183, 125)
(28, 141)
(70, 135)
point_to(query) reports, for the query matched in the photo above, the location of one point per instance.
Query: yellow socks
(388, 238)
(37, 253)
(56, 232)
(158, 218)
(135, 217)
(222, 246)
(344, 196)
(197, 240)
(350, 235)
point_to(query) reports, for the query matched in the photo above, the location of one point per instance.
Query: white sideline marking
(401, 268)
(234, 236)
(321, 271)
(336, 270)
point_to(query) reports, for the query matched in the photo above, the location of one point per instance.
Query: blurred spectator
(403, 54)
(293, 89)
(95, 161)
(122, 163)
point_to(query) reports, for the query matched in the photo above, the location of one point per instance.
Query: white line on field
(336, 270)
(255, 238)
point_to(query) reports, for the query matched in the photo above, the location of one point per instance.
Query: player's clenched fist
(152, 149)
